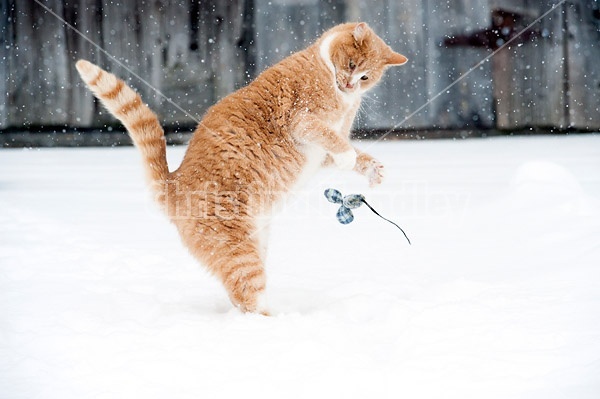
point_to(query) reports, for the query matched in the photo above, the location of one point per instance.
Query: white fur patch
(324, 53)
(345, 160)
(315, 155)
(261, 303)
(262, 232)
(350, 99)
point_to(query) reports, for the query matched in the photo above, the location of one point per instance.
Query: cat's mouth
(346, 87)
(344, 83)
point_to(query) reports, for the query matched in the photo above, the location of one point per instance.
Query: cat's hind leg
(234, 255)
(243, 275)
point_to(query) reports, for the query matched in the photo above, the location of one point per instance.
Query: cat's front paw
(345, 160)
(375, 172)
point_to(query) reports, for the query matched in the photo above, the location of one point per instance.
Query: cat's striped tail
(141, 123)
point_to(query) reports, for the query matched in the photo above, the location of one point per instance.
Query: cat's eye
(351, 65)
(364, 77)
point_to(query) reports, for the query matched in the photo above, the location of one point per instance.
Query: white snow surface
(498, 297)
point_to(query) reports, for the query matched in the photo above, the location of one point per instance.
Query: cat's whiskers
(369, 100)
(367, 106)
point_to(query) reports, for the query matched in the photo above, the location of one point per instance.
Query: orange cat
(254, 147)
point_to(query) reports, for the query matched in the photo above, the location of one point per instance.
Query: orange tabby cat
(254, 147)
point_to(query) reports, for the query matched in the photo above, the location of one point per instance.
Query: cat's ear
(360, 32)
(396, 59)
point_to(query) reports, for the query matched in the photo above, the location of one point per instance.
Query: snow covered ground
(498, 297)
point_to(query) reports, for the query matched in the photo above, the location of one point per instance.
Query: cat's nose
(349, 86)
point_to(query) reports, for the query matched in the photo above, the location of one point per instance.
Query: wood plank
(82, 15)
(150, 41)
(583, 50)
(50, 66)
(204, 61)
(528, 75)
(38, 66)
(228, 59)
(284, 27)
(542, 66)
(404, 89)
(122, 30)
(6, 49)
(186, 78)
(468, 103)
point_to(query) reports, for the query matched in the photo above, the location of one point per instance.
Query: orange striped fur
(254, 147)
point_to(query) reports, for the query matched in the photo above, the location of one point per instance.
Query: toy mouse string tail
(377, 213)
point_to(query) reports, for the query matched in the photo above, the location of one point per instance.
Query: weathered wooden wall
(195, 52)
(583, 54)
(529, 75)
(192, 52)
(554, 80)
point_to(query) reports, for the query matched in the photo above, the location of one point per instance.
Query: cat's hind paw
(261, 305)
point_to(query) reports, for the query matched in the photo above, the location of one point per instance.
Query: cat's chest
(338, 124)
(344, 118)
(314, 156)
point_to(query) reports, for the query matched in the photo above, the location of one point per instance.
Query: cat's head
(359, 57)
